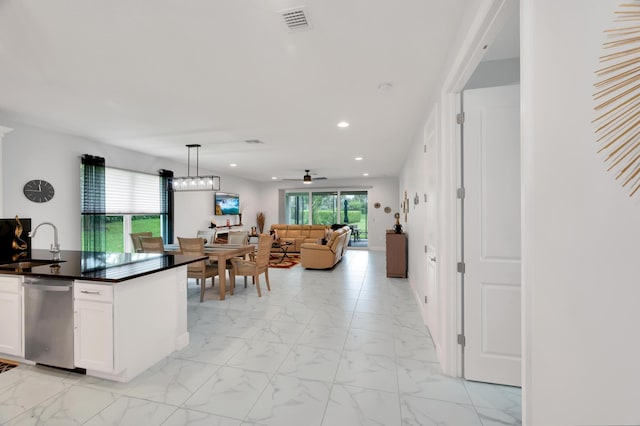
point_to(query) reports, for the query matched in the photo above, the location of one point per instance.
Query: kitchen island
(127, 311)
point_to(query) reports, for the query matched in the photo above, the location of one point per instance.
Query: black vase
(398, 228)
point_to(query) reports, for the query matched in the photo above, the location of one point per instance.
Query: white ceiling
(154, 75)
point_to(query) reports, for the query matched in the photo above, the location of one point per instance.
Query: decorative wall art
(617, 98)
(416, 200)
(376, 205)
(405, 205)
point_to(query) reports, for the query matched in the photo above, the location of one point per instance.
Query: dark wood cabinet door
(397, 255)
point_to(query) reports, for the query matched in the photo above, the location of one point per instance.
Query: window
(132, 203)
(118, 228)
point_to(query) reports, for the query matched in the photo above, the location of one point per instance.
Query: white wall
(33, 153)
(581, 274)
(187, 224)
(3, 131)
(420, 223)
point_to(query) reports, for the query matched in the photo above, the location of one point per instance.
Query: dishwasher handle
(47, 284)
(44, 287)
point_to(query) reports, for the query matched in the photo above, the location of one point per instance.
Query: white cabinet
(121, 329)
(11, 316)
(93, 327)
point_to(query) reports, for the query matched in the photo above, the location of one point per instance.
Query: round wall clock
(38, 191)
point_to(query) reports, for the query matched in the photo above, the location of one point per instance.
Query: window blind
(128, 192)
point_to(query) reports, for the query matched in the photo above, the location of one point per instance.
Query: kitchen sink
(29, 263)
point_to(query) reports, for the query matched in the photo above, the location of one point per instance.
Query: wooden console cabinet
(396, 255)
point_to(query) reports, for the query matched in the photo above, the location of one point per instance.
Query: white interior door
(491, 218)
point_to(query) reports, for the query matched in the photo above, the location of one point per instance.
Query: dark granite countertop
(102, 267)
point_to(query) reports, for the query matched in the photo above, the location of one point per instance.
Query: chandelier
(194, 183)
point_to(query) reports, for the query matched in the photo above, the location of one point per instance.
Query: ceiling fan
(307, 179)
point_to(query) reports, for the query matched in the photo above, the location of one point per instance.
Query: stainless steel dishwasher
(48, 321)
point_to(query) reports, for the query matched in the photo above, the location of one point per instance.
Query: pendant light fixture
(195, 183)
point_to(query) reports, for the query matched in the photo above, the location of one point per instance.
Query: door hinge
(425, 248)
(460, 193)
(460, 118)
(461, 267)
(462, 340)
(425, 299)
(425, 148)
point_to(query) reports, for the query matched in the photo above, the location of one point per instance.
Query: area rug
(6, 365)
(289, 262)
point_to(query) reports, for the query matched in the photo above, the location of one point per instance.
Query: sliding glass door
(354, 212)
(324, 208)
(297, 208)
(328, 208)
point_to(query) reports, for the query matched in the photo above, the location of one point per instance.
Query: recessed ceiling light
(343, 124)
(233, 165)
(358, 158)
(274, 177)
(365, 174)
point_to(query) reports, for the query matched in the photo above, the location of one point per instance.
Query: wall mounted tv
(226, 203)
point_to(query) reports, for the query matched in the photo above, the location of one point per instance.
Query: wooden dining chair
(135, 239)
(240, 238)
(198, 270)
(209, 236)
(152, 244)
(254, 268)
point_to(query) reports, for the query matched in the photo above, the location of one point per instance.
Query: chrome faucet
(55, 247)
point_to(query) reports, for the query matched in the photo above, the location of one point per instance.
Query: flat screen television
(226, 203)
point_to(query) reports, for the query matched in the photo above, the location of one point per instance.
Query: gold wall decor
(405, 205)
(617, 97)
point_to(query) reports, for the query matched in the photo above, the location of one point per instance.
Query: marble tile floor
(341, 347)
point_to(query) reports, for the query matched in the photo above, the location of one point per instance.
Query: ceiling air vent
(254, 141)
(295, 19)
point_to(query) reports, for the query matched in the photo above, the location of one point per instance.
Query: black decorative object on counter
(15, 243)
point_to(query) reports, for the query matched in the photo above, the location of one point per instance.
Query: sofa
(297, 235)
(319, 256)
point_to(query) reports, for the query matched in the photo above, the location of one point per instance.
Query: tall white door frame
(482, 31)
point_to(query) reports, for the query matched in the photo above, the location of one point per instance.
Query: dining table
(220, 253)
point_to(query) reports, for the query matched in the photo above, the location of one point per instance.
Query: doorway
(488, 234)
